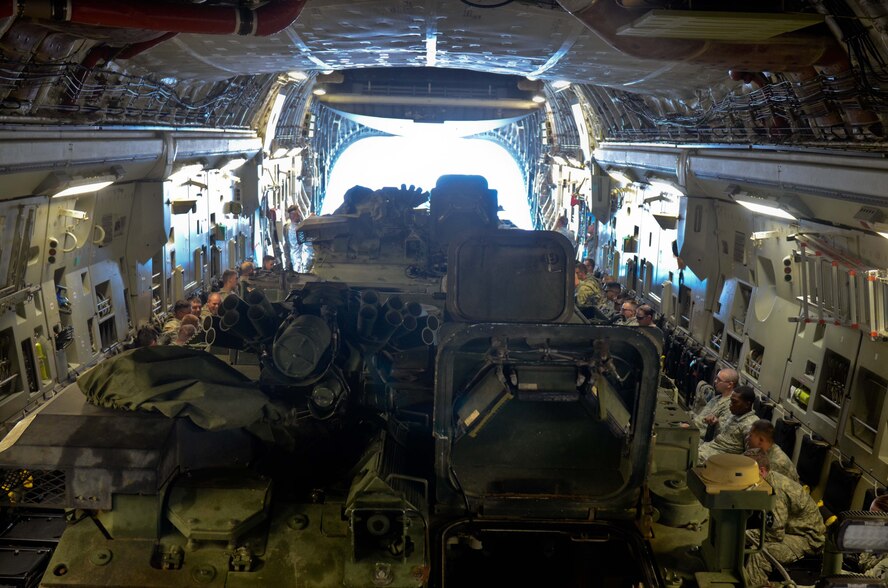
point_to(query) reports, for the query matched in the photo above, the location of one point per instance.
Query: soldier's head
(880, 504)
(294, 214)
(612, 290)
(590, 265)
(246, 269)
(181, 308)
(186, 332)
(229, 279)
(761, 435)
(628, 309)
(726, 381)
(268, 262)
(580, 273)
(213, 303)
(741, 400)
(644, 314)
(196, 305)
(561, 222)
(761, 460)
(146, 336)
(192, 320)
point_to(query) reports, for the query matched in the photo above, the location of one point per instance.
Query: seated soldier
(732, 432)
(761, 436)
(717, 409)
(627, 314)
(211, 308)
(794, 530)
(247, 270)
(186, 332)
(611, 292)
(872, 564)
(180, 310)
(644, 316)
(588, 291)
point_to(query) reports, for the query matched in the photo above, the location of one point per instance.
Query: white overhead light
(294, 151)
(539, 99)
(271, 124)
(766, 209)
(297, 76)
(84, 188)
(560, 84)
(762, 235)
(234, 163)
(185, 172)
(279, 152)
(619, 176)
(667, 187)
(883, 234)
(60, 184)
(319, 91)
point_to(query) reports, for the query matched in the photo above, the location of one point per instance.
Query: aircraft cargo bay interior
(232, 356)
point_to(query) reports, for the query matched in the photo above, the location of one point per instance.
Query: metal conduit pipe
(257, 297)
(238, 323)
(414, 309)
(369, 297)
(163, 16)
(265, 323)
(366, 320)
(387, 326)
(408, 325)
(394, 302)
(233, 302)
(787, 52)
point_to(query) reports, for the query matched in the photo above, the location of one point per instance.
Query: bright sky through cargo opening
(377, 162)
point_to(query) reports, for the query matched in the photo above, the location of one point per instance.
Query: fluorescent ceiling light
(667, 187)
(279, 152)
(297, 76)
(560, 84)
(271, 124)
(620, 176)
(883, 234)
(319, 91)
(60, 184)
(84, 188)
(185, 172)
(766, 209)
(538, 99)
(234, 163)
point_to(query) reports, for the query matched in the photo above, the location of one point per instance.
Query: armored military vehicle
(416, 415)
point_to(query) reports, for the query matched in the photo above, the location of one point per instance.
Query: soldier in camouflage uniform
(718, 408)
(732, 435)
(627, 314)
(588, 290)
(611, 292)
(761, 436)
(875, 565)
(794, 530)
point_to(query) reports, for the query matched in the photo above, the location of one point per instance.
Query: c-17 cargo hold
(422, 402)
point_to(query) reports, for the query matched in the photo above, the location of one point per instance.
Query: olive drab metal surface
(511, 276)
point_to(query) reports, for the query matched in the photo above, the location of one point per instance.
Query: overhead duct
(786, 52)
(266, 20)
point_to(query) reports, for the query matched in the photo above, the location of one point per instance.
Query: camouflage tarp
(178, 381)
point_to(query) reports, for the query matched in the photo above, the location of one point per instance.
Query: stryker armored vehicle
(416, 416)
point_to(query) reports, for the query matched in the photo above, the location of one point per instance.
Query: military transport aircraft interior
(677, 377)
